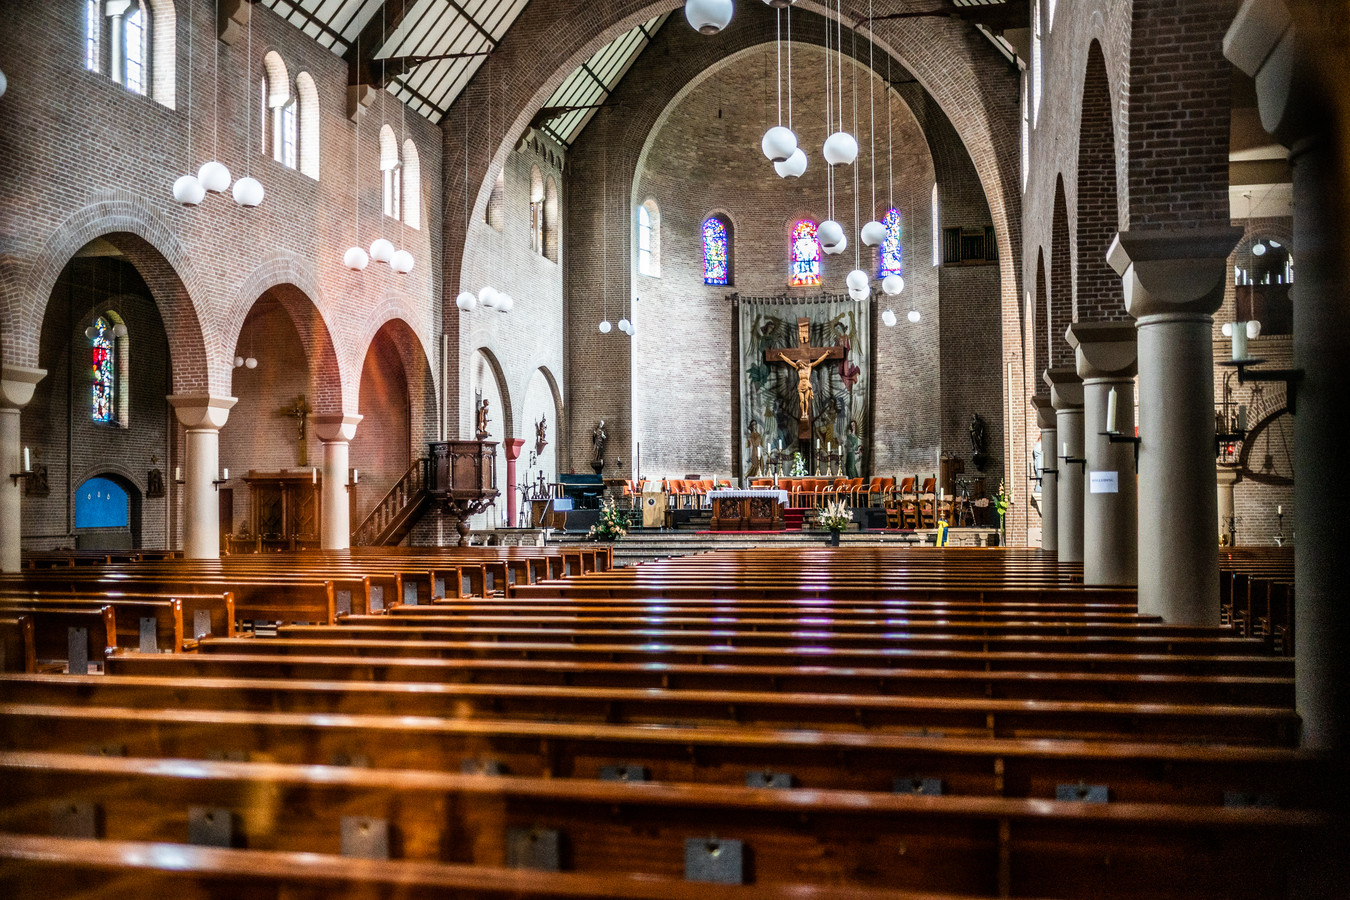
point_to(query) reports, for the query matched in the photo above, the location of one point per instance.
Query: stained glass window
(716, 249)
(805, 255)
(892, 257)
(103, 371)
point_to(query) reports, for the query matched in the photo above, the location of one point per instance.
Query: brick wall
(1099, 295)
(380, 449)
(1061, 311)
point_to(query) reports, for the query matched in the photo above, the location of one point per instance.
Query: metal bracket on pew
(760, 779)
(437, 587)
(929, 787)
(625, 773)
(409, 593)
(77, 651)
(75, 820)
(482, 767)
(1249, 800)
(1083, 792)
(201, 623)
(210, 827)
(149, 635)
(376, 598)
(365, 838)
(534, 848)
(713, 860)
(342, 600)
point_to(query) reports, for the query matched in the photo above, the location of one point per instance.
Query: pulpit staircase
(394, 516)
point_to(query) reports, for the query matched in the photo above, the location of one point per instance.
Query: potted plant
(836, 516)
(610, 526)
(1001, 503)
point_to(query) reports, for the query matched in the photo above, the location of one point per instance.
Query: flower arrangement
(610, 526)
(1001, 503)
(798, 466)
(834, 515)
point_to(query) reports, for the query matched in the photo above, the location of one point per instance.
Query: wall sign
(1104, 482)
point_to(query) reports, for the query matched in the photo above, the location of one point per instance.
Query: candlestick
(1111, 411)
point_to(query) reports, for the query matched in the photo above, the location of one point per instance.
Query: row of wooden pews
(772, 723)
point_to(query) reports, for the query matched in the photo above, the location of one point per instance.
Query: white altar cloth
(735, 493)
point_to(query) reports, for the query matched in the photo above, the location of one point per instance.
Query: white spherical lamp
(248, 192)
(624, 325)
(893, 284)
(1259, 249)
(250, 363)
(793, 166)
(778, 143)
(840, 149)
(857, 280)
(238, 362)
(836, 249)
(708, 16)
(859, 294)
(381, 250)
(401, 262)
(214, 177)
(505, 303)
(914, 315)
(188, 191)
(873, 233)
(888, 318)
(488, 297)
(1253, 329)
(632, 329)
(355, 259)
(1228, 329)
(830, 232)
(466, 301)
(605, 326)
(119, 330)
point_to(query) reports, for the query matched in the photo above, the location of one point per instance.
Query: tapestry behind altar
(769, 407)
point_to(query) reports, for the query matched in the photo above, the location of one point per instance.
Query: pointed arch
(308, 100)
(412, 185)
(716, 232)
(649, 238)
(1060, 313)
(1097, 288)
(279, 110)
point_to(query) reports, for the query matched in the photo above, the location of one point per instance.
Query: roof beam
(371, 39)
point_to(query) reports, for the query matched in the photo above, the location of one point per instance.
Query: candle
(1111, 411)
(178, 473)
(1239, 340)
(356, 476)
(27, 461)
(1242, 417)
(1279, 510)
(1065, 452)
(225, 476)
(313, 475)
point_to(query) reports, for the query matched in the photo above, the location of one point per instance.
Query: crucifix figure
(299, 411)
(804, 358)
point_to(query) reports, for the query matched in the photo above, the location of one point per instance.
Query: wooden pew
(148, 626)
(73, 639)
(18, 652)
(202, 615)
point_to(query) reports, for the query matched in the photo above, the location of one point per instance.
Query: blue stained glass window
(892, 257)
(716, 264)
(805, 255)
(103, 374)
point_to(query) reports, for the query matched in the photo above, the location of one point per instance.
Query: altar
(756, 509)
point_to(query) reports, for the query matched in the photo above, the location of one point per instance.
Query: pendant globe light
(248, 191)
(831, 236)
(779, 143)
(873, 233)
(356, 258)
(487, 296)
(795, 165)
(893, 283)
(402, 261)
(213, 176)
(187, 190)
(840, 149)
(708, 16)
(888, 318)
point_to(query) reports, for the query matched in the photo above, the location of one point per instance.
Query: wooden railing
(390, 518)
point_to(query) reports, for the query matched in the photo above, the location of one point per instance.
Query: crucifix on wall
(299, 411)
(804, 358)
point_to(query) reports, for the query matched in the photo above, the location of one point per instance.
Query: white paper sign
(1104, 482)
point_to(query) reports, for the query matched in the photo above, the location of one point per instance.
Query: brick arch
(503, 389)
(148, 244)
(1041, 314)
(290, 280)
(392, 319)
(1060, 309)
(1098, 293)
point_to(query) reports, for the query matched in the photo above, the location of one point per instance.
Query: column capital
(17, 384)
(330, 427)
(1264, 41)
(1227, 475)
(1045, 413)
(116, 8)
(1173, 270)
(202, 412)
(512, 446)
(1066, 388)
(1104, 349)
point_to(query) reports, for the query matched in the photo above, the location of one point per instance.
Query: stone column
(202, 415)
(335, 431)
(16, 390)
(512, 447)
(1066, 396)
(1294, 89)
(1227, 523)
(1105, 353)
(1174, 281)
(1045, 419)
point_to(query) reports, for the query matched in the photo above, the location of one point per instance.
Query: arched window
(937, 229)
(536, 210)
(135, 48)
(1026, 135)
(805, 255)
(93, 31)
(103, 356)
(716, 251)
(1051, 23)
(277, 99)
(101, 503)
(551, 218)
(493, 214)
(892, 257)
(389, 171)
(307, 96)
(649, 238)
(1036, 62)
(412, 185)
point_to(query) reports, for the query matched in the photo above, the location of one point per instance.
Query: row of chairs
(681, 493)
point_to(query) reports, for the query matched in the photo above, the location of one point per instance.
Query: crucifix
(804, 358)
(299, 411)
